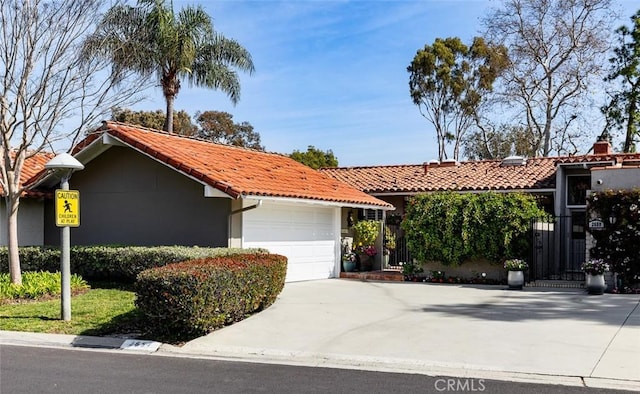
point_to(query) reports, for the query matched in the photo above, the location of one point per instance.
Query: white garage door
(307, 235)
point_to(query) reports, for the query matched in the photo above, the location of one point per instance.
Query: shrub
(33, 258)
(365, 232)
(617, 243)
(193, 298)
(37, 285)
(112, 262)
(450, 227)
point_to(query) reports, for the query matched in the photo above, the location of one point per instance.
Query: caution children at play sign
(67, 208)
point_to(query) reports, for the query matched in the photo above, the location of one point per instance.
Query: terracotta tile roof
(236, 171)
(537, 173)
(32, 167)
(478, 175)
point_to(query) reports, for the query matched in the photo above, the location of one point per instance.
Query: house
(146, 187)
(31, 211)
(560, 184)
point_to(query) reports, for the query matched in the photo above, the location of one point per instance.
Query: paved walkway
(548, 336)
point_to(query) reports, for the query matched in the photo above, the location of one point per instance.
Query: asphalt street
(69, 371)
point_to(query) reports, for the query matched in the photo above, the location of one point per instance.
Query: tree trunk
(12, 239)
(631, 126)
(168, 122)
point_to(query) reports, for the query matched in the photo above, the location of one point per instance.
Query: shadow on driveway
(545, 305)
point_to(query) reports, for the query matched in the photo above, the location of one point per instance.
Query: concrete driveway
(550, 335)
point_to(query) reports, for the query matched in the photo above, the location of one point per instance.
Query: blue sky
(332, 74)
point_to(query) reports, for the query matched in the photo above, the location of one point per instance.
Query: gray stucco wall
(128, 198)
(615, 178)
(30, 222)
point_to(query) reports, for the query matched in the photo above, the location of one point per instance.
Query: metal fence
(400, 253)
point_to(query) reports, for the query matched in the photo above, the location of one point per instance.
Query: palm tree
(151, 39)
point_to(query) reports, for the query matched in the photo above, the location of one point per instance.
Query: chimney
(430, 164)
(449, 163)
(602, 147)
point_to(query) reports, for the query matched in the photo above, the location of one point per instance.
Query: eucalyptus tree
(152, 39)
(557, 50)
(623, 109)
(49, 95)
(448, 81)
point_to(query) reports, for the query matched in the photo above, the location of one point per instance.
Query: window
(577, 186)
(578, 224)
(370, 214)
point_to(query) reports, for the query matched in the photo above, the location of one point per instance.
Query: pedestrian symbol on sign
(67, 208)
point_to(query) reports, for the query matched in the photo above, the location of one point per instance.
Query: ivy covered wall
(450, 227)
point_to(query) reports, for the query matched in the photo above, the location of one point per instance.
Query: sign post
(67, 215)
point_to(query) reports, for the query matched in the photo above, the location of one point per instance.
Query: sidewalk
(535, 335)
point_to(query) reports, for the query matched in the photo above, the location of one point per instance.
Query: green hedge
(193, 298)
(451, 227)
(117, 263)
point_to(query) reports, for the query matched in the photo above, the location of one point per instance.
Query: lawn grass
(103, 310)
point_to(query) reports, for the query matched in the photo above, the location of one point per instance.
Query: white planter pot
(515, 280)
(595, 284)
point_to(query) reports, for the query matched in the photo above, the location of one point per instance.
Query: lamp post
(66, 165)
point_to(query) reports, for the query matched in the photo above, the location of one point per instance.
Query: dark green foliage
(33, 258)
(219, 127)
(618, 243)
(155, 119)
(116, 263)
(315, 158)
(623, 110)
(450, 227)
(195, 297)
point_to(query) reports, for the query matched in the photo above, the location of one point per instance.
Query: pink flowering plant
(595, 267)
(515, 265)
(369, 250)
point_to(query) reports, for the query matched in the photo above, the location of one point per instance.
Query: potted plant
(411, 270)
(365, 234)
(594, 270)
(366, 255)
(349, 261)
(515, 274)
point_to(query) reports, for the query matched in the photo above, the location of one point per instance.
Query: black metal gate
(400, 254)
(558, 248)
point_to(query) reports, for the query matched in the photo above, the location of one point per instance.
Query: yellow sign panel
(67, 208)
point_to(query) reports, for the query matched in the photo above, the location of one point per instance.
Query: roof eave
(350, 204)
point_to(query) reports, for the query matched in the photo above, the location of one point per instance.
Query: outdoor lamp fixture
(612, 219)
(65, 164)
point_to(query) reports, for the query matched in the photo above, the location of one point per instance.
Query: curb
(17, 338)
(252, 355)
(394, 365)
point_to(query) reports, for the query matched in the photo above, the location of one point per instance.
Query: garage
(176, 190)
(307, 234)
